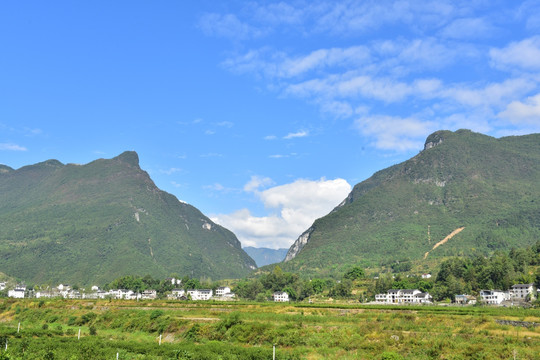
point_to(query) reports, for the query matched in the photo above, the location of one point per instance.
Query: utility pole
(274, 352)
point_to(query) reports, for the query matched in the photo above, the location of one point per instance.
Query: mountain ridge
(110, 219)
(460, 179)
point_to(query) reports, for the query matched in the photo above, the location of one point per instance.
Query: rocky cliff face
(298, 244)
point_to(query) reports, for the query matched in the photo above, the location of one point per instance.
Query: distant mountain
(86, 224)
(465, 193)
(266, 256)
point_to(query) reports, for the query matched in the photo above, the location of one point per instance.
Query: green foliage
(389, 355)
(355, 273)
(458, 275)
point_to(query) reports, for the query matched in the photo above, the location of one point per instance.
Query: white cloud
(298, 204)
(270, 137)
(226, 124)
(170, 171)
(395, 133)
(11, 147)
(491, 95)
(524, 54)
(527, 112)
(228, 26)
(297, 134)
(467, 28)
(256, 182)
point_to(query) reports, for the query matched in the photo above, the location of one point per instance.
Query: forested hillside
(92, 223)
(482, 191)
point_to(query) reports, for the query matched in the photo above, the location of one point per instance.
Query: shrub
(390, 355)
(93, 330)
(155, 314)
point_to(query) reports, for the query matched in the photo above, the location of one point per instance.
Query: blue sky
(261, 114)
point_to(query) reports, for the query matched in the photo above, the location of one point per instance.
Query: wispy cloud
(227, 124)
(211, 155)
(527, 112)
(467, 28)
(522, 54)
(298, 134)
(170, 171)
(256, 182)
(11, 147)
(444, 69)
(228, 26)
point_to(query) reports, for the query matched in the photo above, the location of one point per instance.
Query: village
(518, 295)
(222, 293)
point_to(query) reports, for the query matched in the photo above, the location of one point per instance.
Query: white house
(423, 298)
(426, 276)
(200, 294)
(18, 292)
(178, 293)
(47, 294)
(521, 291)
(464, 299)
(205, 294)
(493, 297)
(281, 296)
(2, 286)
(404, 296)
(149, 295)
(123, 294)
(222, 290)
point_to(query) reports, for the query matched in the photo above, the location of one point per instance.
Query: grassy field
(189, 330)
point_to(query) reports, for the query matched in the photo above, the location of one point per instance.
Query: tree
(341, 289)
(355, 273)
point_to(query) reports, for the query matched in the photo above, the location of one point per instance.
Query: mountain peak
(129, 157)
(437, 138)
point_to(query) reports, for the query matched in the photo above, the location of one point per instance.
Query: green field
(210, 330)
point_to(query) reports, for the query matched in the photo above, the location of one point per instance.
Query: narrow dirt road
(451, 235)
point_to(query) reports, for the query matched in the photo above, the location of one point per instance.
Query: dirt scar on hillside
(451, 235)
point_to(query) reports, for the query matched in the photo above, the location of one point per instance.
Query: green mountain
(465, 193)
(92, 223)
(266, 256)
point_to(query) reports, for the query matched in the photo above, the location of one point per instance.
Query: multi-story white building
(178, 293)
(521, 291)
(200, 294)
(404, 296)
(493, 297)
(18, 292)
(281, 296)
(149, 295)
(222, 290)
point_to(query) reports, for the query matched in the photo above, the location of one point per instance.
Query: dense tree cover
(460, 275)
(263, 287)
(469, 275)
